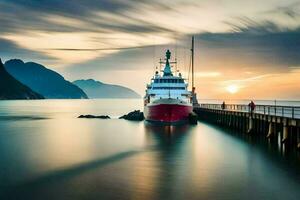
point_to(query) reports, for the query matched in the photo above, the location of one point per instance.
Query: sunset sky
(244, 49)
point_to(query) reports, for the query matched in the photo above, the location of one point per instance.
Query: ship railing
(281, 111)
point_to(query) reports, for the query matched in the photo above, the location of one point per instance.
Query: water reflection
(15, 118)
(68, 158)
(156, 172)
(167, 136)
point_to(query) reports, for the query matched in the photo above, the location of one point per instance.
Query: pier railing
(282, 111)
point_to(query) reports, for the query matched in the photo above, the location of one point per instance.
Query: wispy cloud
(9, 49)
(114, 20)
(266, 42)
(100, 38)
(291, 10)
(207, 74)
(250, 79)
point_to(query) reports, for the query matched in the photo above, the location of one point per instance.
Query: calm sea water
(47, 153)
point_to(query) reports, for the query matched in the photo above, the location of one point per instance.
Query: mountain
(96, 89)
(44, 81)
(10, 88)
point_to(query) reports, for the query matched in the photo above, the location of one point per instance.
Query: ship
(167, 99)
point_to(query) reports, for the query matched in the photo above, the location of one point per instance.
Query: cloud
(112, 39)
(126, 59)
(103, 24)
(48, 16)
(265, 44)
(251, 47)
(57, 27)
(73, 8)
(282, 86)
(248, 25)
(207, 74)
(9, 48)
(291, 10)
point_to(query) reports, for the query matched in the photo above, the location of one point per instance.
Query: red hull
(167, 113)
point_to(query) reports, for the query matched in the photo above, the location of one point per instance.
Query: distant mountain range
(96, 89)
(10, 88)
(44, 81)
(29, 77)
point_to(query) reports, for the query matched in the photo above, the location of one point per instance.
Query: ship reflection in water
(47, 153)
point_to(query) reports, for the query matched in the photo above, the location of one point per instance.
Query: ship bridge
(167, 85)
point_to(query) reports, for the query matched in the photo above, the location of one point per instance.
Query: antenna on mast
(176, 69)
(160, 62)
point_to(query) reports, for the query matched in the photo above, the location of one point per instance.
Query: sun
(232, 89)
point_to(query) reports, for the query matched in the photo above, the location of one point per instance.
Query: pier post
(262, 124)
(265, 125)
(285, 133)
(240, 122)
(236, 124)
(298, 137)
(250, 129)
(245, 123)
(271, 130)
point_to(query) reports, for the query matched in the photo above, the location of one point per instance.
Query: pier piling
(271, 130)
(265, 121)
(285, 133)
(250, 129)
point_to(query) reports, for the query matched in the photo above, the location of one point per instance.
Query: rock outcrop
(94, 117)
(134, 116)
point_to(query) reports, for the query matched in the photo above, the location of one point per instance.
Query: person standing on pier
(251, 106)
(223, 106)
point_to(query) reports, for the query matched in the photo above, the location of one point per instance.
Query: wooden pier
(271, 122)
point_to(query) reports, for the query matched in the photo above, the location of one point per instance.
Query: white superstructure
(166, 85)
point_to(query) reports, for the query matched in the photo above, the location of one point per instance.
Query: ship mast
(193, 86)
(194, 95)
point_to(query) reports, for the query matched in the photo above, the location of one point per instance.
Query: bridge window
(168, 81)
(169, 88)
